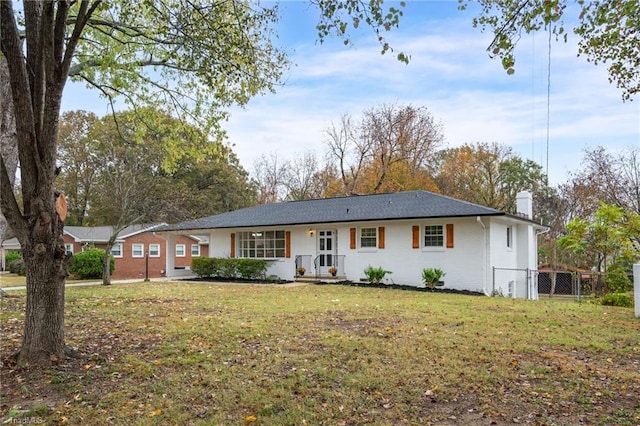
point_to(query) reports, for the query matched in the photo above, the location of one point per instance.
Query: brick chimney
(524, 204)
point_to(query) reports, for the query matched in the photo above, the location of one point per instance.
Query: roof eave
(253, 225)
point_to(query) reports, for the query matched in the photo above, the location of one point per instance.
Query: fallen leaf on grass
(250, 419)
(156, 412)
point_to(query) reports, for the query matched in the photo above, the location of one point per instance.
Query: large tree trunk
(46, 267)
(37, 81)
(8, 137)
(106, 263)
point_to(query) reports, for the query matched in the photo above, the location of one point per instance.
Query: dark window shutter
(287, 244)
(352, 238)
(233, 245)
(416, 237)
(381, 237)
(449, 235)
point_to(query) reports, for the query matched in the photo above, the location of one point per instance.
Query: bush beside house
(228, 268)
(17, 266)
(12, 255)
(88, 264)
(375, 275)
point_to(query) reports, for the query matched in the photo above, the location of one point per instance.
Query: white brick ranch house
(402, 232)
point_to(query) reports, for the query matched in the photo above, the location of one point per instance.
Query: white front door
(326, 251)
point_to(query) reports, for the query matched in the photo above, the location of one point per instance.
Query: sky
(450, 74)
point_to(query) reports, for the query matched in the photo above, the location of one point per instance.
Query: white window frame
(424, 235)
(261, 244)
(135, 246)
(68, 247)
(181, 250)
(120, 249)
(196, 252)
(369, 238)
(154, 250)
(509, 238)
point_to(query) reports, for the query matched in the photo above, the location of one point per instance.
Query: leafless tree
(349, 150)
(305, 178)
(270, 172)
(400, 134)
(389, 136)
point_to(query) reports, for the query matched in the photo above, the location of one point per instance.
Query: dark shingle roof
(357, 208)
(101, 234)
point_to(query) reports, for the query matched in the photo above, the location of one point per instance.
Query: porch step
(320, 279)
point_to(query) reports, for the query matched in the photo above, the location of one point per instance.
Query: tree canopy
(609, 31)
(110, 167)
(488, 174)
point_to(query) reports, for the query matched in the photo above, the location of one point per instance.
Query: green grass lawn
(204, 354)
(15, 280)
(11, 280)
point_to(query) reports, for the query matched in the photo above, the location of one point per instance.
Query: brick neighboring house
(132, 247)
(130, 251)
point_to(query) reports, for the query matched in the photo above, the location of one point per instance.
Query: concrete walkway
(92, 283)
(163, 279)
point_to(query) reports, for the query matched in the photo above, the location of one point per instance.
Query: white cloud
(450, 73)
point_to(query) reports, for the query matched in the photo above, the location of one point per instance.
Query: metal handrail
(337, 261)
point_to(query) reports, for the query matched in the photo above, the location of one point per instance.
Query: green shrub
(215, 266)
(375, 275)
(251, 268)
(617, 299)
(617, 279)
(88, 264)
(11, 255)
(228, 267)
(431, 276)
(17, 266)
(203, 267)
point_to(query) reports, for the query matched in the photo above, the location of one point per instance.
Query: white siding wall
(463, 264)
(512, 263)
(468, 265)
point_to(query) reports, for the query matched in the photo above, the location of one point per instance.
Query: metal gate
(514, 283)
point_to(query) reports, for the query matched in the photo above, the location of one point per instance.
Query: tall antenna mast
(548, 96)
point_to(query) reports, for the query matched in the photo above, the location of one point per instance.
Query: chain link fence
(565, 283)
(557, 283)
(529, 283)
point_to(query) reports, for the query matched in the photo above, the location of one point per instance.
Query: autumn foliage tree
(489, 174)
(389, 149)
(79, 162)
(605, 242)
(612, 177)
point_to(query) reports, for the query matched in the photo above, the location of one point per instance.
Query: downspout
(484, 256)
